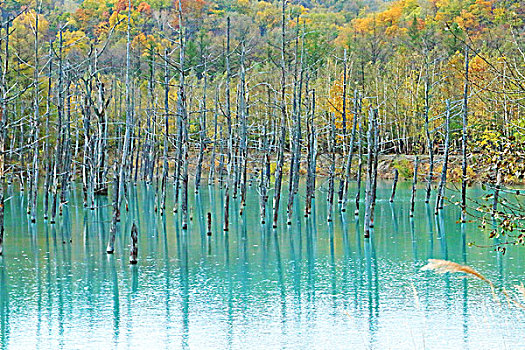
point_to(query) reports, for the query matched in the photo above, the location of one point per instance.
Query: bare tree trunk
(166, 135)
(36, 116)
(202, 121)
(184, 119)
(110, 249)
(370, 172)
(374, 174)
(344, 179)
(211, 176)
(230, 136)
(331, 180)
(57, 169)
(209, 224)
(296, 144)
(125, 145)
(134, 247)
(394, 185)
(443, 180)
(4, 65)
(357, 111)
(280, 156)
(359, 167)
(242, 111)
(429, 139)
(464, 142)
(310, 185)
(414, 183)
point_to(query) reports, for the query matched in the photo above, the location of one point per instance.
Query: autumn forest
(190, 91)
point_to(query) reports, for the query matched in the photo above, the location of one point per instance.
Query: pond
(312, 284)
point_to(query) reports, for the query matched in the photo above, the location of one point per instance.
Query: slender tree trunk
(202, 122)
(59, 150)
(125, 145)
(4, 65)
(374, 173)
(229, 157)
(48, 163)
(464, 141)
(429, 139)
(359, 168)
(184, 119)
(165, 168)
(211, 176)
(331, 180)
(344, 179)
(414, 183)
(370, 173)
(357, 108)
(444, 169)
(280, 156)
(134, 246)
(394, 185)
(35, 123)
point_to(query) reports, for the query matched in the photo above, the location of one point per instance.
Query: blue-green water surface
(310, 285)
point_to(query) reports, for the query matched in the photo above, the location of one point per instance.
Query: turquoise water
(309, 285)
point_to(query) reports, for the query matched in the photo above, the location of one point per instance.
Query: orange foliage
(144, 7)
(122, 5)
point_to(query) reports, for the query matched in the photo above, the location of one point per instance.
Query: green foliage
(405, 167)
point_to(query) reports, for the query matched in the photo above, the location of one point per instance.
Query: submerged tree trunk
(331, 173)
(184, 119)
(120, 181)
(33, 187)
(310, 180)
(429, 138)
(348, 167)
(464, 141)
(282, 141)
(165, 169)
(369, 197)
(359, 168)
(202, 122)
(444, 169)
(48, 162)
(230, 136)
(394, 185)
(4, 66)
(134, 246)
(414, 183)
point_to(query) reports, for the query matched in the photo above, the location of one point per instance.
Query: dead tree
(464, 141)
(369, 196)
(282, 141)
(134, 246)
(444, 169)
(394, 185)
(414, 183)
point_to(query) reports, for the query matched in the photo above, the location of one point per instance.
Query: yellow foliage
(74, 40)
